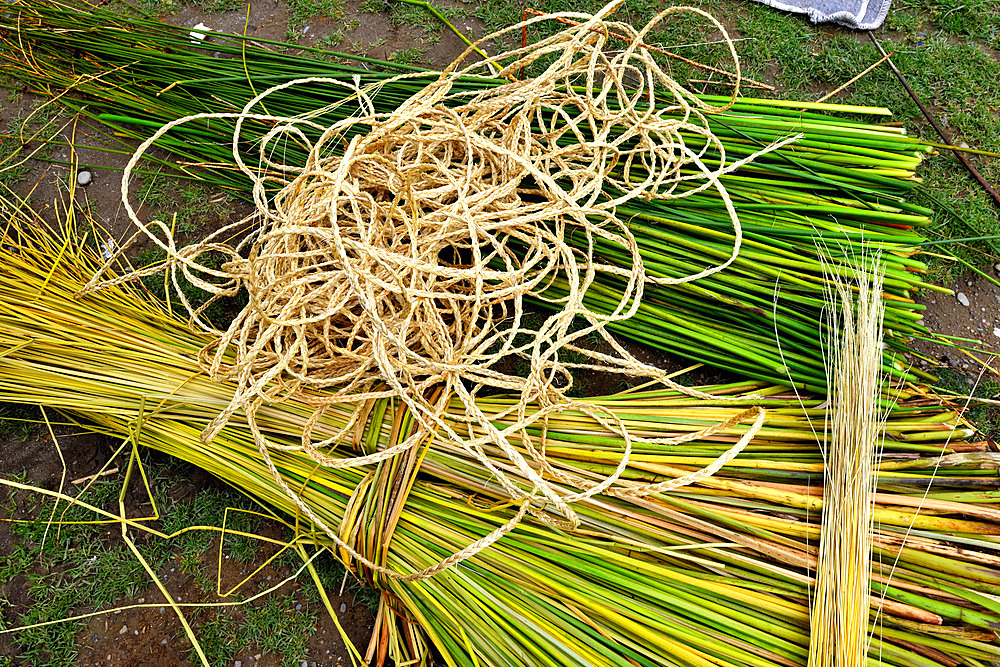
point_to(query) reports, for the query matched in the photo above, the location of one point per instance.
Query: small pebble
(298, 607)
(199, 33)
(136, 632)
(962, 299)
(163, 642)
(108, 248)
(123, 630)
(996, 331)
(343, 607)
(93, 637)
(84, 178)
(238, 663)
(996, 267)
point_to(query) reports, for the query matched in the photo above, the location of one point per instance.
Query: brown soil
(978, 322)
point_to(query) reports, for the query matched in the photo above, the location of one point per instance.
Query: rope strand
(398, 258)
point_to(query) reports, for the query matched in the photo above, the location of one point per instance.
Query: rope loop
(397, 260)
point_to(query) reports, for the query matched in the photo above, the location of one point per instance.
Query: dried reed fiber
(840, 607)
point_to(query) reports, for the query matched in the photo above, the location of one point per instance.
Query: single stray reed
(839, 623)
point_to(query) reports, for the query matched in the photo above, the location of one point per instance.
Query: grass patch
(985, 416)
(82, 567)
(300, 12)
(218, 6)
(429, 26)
(63, 569)
(22, 133)
(408, 56)
(18, 422)
(194, 205)
(219, 312)
(274, 627)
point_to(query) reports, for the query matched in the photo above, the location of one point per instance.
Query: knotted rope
(396, 261)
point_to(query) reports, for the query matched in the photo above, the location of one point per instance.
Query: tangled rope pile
(396, 261)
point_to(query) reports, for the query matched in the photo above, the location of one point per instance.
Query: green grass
(976, 19)
(64, 569)
(329, 42)
(18, 423)
(408, 56)
(301, 12)
(41, 122)
(220, 312)
(273, 627)
(429, 27)
(985, 416)
(145, 7)
(219, 6)
(194, 205)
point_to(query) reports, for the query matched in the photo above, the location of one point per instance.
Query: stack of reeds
(717, 573)
(844, 182)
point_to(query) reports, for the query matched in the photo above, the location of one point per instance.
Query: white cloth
(858, 14)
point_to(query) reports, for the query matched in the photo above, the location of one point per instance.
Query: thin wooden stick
(855, 79)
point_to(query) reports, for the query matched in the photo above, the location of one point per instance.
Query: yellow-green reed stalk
(840, 608)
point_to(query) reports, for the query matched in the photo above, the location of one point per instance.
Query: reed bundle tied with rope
(717, 573)
(845, 181)
(395, 262)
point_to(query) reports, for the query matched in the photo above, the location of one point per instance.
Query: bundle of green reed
(845, 181)
(716, 573)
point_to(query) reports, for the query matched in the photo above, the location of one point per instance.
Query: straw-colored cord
(397, 260)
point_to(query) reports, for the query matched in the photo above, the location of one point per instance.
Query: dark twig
(944, 136)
